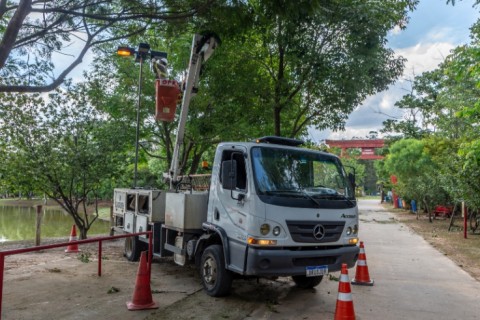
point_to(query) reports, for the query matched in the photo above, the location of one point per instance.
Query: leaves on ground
(113, 290)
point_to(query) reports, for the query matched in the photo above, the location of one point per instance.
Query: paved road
(412, 279)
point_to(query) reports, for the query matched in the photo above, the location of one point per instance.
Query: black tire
(133, 248)
(216, 279)
(305, 282)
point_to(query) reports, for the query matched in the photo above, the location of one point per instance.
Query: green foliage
(417, 173)
(305, 64)
(29, 44)
(443, 111)
(61, 147)
(84, 257)
(283, 66)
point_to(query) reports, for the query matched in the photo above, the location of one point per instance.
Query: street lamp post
(141, 54)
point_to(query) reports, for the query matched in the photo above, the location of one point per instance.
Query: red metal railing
(5, 253)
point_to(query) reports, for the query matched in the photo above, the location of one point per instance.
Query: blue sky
(434, 29)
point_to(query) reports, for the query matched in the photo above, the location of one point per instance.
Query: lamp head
(125, 51)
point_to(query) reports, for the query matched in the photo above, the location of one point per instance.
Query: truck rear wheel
(216, 279)
(133, 248)
(305, 282)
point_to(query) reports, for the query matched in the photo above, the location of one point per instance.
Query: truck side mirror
(229, 174)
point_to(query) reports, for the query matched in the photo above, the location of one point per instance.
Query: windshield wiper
(310, 197)
(336, 196)
(292, 193)
(304, 194)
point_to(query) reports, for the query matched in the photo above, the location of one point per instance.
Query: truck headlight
(276, 231)
(349, 231)
(265, 229)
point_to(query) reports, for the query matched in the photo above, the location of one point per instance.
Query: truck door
(231, 210)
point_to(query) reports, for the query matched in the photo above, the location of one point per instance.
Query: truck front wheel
(133, 248)
(217, 280)
(305, 282)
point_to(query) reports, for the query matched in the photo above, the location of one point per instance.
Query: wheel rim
(210, 272)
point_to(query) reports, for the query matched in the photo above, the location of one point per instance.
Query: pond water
(18, 223)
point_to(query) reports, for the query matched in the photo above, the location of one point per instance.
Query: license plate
(316, 271)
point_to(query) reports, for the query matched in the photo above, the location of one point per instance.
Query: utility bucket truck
(271, 208)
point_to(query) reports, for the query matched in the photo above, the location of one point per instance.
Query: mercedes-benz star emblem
(319, 232)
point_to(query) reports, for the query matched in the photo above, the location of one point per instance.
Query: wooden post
(465, 219)
(38, 225)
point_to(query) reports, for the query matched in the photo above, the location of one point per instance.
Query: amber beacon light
(125, 51)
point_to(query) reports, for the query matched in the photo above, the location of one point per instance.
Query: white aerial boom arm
(202, 49)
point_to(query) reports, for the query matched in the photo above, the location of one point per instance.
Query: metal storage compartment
(129, 222)
(185, 211)
(119, 201)
(141, 225)
(150, 203)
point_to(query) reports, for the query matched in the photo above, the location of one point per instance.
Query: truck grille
(303, 231)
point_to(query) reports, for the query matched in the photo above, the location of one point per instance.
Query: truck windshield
(299, 173)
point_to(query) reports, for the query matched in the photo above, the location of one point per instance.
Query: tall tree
(446, 102)
(417, 173)
(63, 148)
(310, 63)
(42, 41)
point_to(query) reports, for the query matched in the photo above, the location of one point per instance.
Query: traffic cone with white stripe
(344, 309)
(142, 295)
(362, 277)
(73, 237)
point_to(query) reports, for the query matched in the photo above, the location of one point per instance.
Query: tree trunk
(277, 107)
(83, 232)
(429, 212)
(276, 118)
(13, 28)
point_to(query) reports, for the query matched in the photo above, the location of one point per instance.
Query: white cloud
(387, 101)
(424, 56)
(395, 31)
(69, 53)
(440, 34)
(381, 106)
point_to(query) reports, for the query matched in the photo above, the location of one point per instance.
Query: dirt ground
(58, 285)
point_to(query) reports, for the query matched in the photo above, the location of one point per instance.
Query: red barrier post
(100, 258)
(2, 267)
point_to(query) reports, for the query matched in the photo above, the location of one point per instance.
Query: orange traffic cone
(362, 277)
(344, 309)
(73, 237)
(142, 295)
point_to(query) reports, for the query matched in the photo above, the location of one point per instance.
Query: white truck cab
(281, 210)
